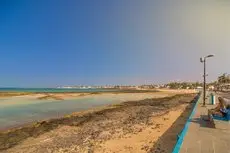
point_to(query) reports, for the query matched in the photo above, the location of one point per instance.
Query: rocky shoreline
(87, 131)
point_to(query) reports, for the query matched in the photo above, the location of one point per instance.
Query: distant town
(222, 83)
(173, 85)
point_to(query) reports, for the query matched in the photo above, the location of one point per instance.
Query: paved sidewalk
(203, 137)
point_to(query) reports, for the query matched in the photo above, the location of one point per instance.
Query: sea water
(15, 111)
(57, 90)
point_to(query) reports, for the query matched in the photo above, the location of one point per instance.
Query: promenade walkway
(203, 137)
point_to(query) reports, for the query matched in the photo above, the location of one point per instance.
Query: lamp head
(201, 60)
(209, 56)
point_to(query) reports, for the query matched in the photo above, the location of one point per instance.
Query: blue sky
(49, 43)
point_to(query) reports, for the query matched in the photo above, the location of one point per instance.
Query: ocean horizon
(56, 90)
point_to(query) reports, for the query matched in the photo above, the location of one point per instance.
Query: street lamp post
(203, 60)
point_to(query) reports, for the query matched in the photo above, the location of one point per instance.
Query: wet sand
(135, 126)
(17, 98)
(19, 110)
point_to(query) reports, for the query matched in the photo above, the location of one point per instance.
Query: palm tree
(222, 80)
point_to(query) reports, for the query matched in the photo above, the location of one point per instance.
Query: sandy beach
(149, 125)
(52, 97)
(16, 111)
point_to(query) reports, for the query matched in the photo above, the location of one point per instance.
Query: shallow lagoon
(15, 111)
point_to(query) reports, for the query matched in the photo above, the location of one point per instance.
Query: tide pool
(31, 110)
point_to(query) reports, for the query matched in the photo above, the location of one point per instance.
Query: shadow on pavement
(203, 121)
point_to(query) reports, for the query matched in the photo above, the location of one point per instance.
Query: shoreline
(78, 119)
(6, 94)
(27, 100)
(66, 95)
(97, 108)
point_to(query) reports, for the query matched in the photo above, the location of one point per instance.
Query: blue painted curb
(181, 136)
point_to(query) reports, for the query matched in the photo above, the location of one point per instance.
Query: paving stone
(203, 138)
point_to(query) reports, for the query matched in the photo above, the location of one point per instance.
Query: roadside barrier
(181, 136)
